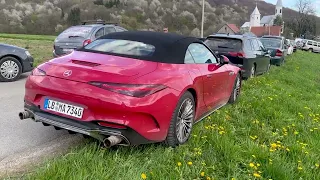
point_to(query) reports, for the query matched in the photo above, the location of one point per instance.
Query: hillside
(53, 16)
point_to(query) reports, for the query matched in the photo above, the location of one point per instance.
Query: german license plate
(63, 108)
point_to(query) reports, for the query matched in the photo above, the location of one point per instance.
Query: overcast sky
(291, 4)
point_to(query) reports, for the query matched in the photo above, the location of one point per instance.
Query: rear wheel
(181, 121)
(10, 69)
(236, 90)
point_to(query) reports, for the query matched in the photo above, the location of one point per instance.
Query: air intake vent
(85, 63)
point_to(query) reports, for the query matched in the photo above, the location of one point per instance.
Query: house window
(226, 29)
(276, 11)
(280, 11)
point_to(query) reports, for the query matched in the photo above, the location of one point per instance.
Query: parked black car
(246, 52)
(81, 35)
(13, 62)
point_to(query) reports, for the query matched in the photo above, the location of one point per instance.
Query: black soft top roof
(169, 47)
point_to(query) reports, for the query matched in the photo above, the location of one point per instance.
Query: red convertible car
(132, 88)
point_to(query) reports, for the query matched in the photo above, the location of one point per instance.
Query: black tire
(172, 139)
(6, 60)
(236, 90)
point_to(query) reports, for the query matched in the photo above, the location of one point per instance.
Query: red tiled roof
(234, 28)
(266, 30)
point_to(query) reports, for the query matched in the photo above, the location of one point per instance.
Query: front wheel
(182, 121)
(10, 69)
(236, 90)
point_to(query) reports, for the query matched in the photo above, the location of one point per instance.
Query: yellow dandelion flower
(288, 149)
(233, 178)
(179, 164)
(317, 165)
(257, 175)
(274, 146)
(202, 174)
(258, 165)
(143, 176)
(189, 163)
(296, 132)
(208, 178)
(251, 165)
(300, 168)
(254, 156)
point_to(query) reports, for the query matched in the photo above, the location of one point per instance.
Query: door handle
(209, 75)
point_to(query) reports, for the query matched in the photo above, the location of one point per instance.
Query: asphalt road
(18, 136)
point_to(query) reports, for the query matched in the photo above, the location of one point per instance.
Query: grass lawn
(273, 132)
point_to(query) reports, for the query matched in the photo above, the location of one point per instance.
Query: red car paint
(150, 116)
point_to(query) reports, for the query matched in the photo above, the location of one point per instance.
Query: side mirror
(224, 60)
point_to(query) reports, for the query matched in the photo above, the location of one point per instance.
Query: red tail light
(237, 54)
(38, 72)
(279, 52)
(133, 90)
(86, 42)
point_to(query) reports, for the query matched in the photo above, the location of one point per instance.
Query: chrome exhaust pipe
(25, 115)
(112, 141)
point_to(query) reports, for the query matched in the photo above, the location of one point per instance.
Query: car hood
(86, 67)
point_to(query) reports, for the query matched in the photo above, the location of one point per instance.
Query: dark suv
(79, 36)
(246, 52)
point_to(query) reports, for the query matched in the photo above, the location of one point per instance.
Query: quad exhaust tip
(25, 115)
(112, 141)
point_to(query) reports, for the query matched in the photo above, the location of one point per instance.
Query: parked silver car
(311, 46)
(82, 35)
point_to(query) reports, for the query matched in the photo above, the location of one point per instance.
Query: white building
(256, 20)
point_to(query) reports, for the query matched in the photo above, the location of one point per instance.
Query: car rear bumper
(128, 135)
(149, 116)
(276, 60)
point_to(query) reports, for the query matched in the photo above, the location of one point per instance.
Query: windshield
(121, 47)
(76, 31)
(224, 43)
(271, 43)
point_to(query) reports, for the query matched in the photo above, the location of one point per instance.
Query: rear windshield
(76, 31)
(121, 47)
(271, 43)
(224, 43)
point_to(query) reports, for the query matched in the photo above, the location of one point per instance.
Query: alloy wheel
(9, 69)
(185, 120)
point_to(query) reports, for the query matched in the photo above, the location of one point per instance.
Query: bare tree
(304, 20)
